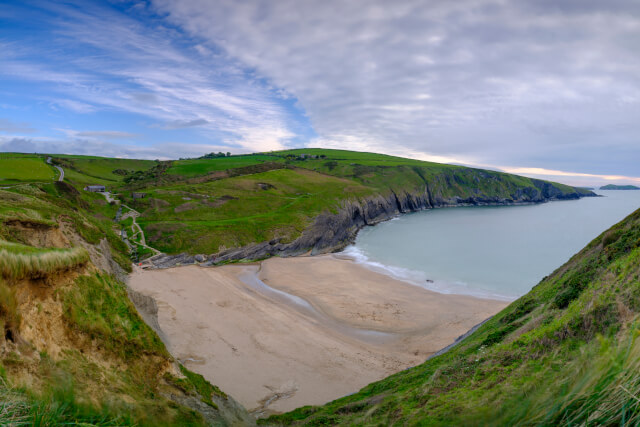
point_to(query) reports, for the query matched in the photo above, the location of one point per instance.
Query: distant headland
(619, 187)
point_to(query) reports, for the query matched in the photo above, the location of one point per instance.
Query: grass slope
(16, 168)
(73, 349)
(213, 204)
(240, 210)
(87, 170)
(195, 167)
(564, 354)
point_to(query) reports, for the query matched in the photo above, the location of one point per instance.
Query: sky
(544, 88)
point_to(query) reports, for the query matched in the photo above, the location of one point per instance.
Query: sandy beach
(289, 332)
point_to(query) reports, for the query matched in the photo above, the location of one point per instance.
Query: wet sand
(301, 331)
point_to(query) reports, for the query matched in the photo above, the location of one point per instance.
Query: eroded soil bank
(289, 332)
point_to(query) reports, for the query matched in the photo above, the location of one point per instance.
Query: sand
(301, 331)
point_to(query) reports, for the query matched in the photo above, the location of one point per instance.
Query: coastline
(288, 332)
(333, 232)
(417, 278)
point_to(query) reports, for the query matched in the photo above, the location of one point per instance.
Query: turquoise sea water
(499, 252)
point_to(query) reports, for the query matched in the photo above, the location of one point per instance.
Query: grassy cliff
(208, 205)
(73, 349)
(564, 354)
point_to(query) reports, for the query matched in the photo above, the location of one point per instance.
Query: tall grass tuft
(30, 263)
(14, 408)
(58, 408)
(601, 388)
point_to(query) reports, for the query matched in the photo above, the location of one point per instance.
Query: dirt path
(137, 230)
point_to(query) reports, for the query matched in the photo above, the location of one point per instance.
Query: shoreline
(289, 332)
(402, 274)
(346, 226)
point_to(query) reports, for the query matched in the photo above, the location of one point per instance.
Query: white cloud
(76, 106)
(96, 147)
(98, 134)
(469, 78)
(121, 64)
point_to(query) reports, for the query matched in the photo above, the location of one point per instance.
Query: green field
(87, 170)
(24, 168)
(195, 167)
(240, 210)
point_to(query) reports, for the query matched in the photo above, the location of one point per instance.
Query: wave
(419, 278)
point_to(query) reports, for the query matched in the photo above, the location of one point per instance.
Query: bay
(493, 252)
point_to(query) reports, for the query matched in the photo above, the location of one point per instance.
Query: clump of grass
(193, 384)
(58, 407)
(600, 388)
(98, 305)
(22, 262)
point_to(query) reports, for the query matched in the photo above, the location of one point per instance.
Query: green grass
(239, 210)
(20, 261)
(98, 305)
(109, 365)
(17, 408)
(16, 169)
(104, 169)
(210, 215)
(353, 156)
(44, 205)
(541, 361)
(195, 167)
(195, 384)
(207, 205)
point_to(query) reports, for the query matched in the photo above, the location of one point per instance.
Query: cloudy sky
(549, 88)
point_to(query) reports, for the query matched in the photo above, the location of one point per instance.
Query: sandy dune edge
(301, 331)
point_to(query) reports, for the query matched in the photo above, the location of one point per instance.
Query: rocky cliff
(331, 232)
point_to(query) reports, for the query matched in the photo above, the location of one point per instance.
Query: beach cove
(288, 332)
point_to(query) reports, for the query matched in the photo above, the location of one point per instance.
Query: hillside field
(15, 168)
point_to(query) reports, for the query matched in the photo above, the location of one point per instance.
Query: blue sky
(543, 88)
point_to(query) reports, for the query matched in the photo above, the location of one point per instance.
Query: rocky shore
(331, 232)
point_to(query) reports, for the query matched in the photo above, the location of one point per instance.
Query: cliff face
(331, 232)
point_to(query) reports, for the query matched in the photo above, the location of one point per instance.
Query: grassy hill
(17, 168)
(564, 354)
(208, 205)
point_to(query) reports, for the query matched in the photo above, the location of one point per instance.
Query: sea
(490, 252)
